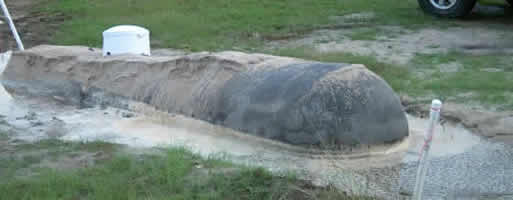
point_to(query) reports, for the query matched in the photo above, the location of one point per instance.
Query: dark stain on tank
(282, 104)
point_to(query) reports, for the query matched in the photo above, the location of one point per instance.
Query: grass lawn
(164, 174)
(484, 78)
(222, 24)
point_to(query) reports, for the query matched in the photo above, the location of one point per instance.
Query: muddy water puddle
(449, 139)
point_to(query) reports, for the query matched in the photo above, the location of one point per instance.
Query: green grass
(222, 24)
(493, 88)
(173, 174)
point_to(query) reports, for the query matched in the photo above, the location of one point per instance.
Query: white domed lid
(125, 29)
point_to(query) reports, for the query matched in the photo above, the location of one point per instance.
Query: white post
(434, 117)
(11, 24)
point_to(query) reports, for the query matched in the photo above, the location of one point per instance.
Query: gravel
(485, 171)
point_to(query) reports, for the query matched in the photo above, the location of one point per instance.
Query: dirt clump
(34, 26)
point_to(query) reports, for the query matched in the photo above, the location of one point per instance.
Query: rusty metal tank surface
(305, 103)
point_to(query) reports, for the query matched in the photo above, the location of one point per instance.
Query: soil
(487, 31)
(35, 27)
(401, 45)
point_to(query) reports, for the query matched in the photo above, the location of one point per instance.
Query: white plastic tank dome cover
(126, 39)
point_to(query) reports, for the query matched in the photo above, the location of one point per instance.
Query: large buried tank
(305, 103)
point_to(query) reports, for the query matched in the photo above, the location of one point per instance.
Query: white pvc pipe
(434, 116)
(11, 25)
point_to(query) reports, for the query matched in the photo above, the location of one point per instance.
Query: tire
(510, 2)
(459, 8)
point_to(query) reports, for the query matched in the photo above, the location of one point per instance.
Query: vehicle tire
(448, 8)
(510, 2)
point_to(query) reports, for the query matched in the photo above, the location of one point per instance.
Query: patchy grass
(223, 24)
(374, 33)
(487, 77)
(364, 34)
(57, 147)
(424, 77)
(173, 174)
(17, 157)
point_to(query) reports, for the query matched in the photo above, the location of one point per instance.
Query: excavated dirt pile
(326, 105)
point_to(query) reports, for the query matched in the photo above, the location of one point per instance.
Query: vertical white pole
(11, 24)
(434, 117)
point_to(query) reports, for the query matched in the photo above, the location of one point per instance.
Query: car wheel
(448, 8)
(510, 2)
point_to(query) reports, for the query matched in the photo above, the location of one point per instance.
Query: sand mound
(298, 102)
